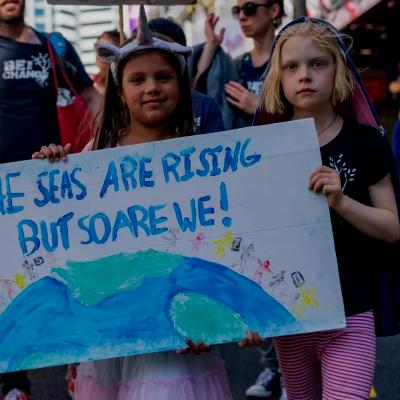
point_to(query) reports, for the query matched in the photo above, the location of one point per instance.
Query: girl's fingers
(327, 189)
(251, 339)
(67, 148)
(182, 351)
(197, 349)
(64, 151)
(38, 155)
(192, 347)
(257, 339)
(204, 347)
(55, 150)
(319, 176)
(322, 169)
(47, 153)
(319, 185)
(61, 152)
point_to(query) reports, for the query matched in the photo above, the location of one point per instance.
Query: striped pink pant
(332, 365)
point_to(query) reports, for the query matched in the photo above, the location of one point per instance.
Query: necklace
(327, 127)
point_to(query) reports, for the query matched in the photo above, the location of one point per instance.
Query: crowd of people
(155, 87)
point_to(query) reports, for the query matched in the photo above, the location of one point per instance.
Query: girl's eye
(290, 67)
(164, 78)
(318, 64)
(137, 80)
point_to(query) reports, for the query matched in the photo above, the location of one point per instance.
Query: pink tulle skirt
(157, 376)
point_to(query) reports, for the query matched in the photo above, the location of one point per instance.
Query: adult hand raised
(209, 30)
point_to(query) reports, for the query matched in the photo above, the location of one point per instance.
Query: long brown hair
(114, 117)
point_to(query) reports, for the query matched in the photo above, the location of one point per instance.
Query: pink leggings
(332, 365)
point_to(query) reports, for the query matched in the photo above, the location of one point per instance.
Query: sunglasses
(248, 9)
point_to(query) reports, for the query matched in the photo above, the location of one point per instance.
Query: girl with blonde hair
(311, 75)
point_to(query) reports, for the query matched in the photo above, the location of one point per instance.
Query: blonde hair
(273, 99)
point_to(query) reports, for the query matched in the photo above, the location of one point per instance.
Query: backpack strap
(59, 44)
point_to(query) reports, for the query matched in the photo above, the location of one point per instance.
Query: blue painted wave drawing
(130, 304)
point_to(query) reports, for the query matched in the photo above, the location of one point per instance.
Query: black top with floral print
(361, 155)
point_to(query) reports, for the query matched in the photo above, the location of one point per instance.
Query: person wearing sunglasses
(258, 20)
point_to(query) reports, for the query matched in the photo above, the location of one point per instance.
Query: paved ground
(243, 367)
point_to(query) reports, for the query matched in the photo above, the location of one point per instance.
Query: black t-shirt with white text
(252, 78)
(28, 118)
(362, 157)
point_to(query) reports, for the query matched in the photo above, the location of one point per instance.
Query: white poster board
(134, 249)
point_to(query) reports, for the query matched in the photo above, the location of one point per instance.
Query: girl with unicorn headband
(147, 98)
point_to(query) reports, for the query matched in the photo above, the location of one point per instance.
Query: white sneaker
(267, 384)
(16, 394)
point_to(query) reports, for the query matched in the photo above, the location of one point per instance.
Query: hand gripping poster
(135, 249)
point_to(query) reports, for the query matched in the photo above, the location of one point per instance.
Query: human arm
(53, 152)
(80, 80)
(380, 221)
(92, 98)
(213, 41)
(241, 98)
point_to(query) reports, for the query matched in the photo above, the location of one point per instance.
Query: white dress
(155, 376)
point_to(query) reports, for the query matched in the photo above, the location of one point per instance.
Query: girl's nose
(304, 73)
(152, 85)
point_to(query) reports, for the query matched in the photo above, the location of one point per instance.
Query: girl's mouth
(306, 90)
(153, 101)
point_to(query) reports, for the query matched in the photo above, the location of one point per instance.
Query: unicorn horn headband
(144, 41)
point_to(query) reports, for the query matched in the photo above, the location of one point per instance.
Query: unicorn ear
(144, 37)
(107, 51)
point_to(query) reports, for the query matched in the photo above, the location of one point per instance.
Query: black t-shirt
(362, 157)
(251, 78)
(28, 117)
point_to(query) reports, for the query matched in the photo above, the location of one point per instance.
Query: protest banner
(134, 249)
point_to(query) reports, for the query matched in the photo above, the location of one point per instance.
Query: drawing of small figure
(306, 299)
(277, 280)
(198, 241)
(223, 243)
(262, 267)
(247, 253)
(8, 285)
(172, 237)
(29, 271)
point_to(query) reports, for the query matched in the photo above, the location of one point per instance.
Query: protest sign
(134, 249)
